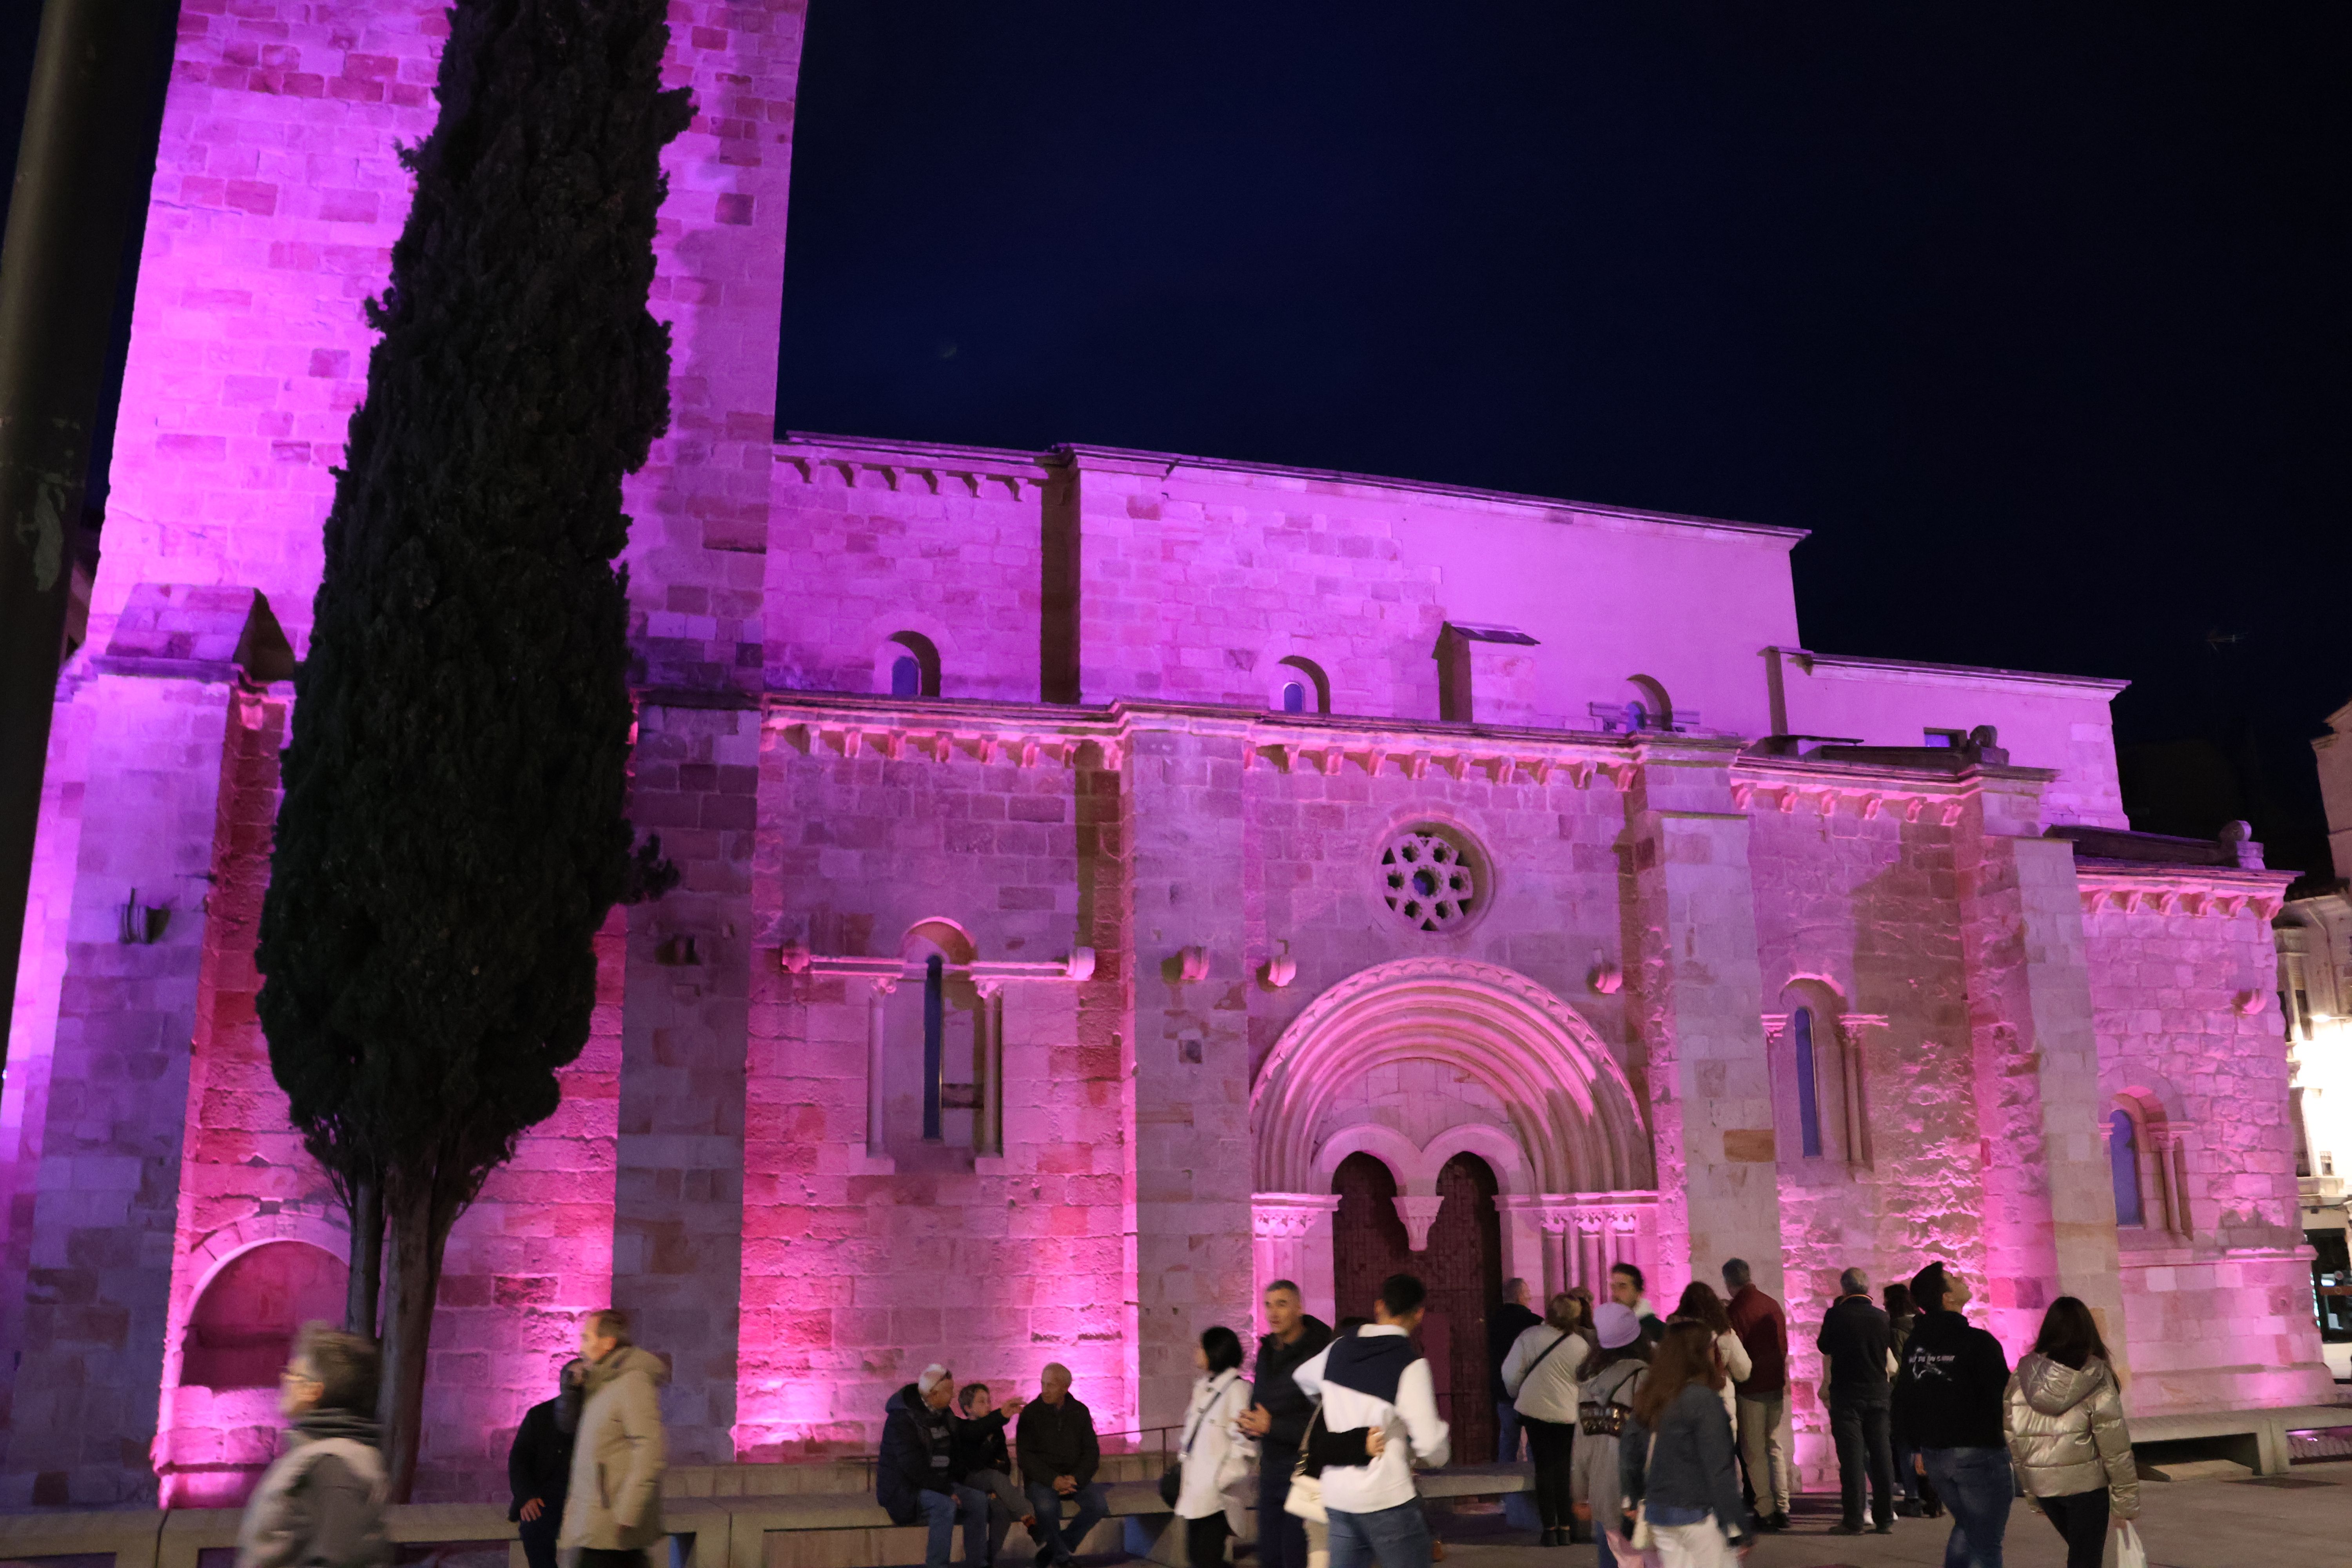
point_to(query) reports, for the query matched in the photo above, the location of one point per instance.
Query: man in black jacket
(915, 1477)
(1855, 1339)
(1278, 1421)
(1948, 1397)
(539, 1466)
(1505, 1321)
(1059, 1456)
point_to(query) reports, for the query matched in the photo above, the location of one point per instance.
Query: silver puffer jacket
(2067, 1432)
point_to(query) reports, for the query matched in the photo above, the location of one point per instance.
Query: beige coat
(615, 1503)
(2067, 1432)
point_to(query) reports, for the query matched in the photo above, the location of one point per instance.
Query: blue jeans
(1281, 1537)
(939, 1512)
(1062, 1538)
(1976, 1484)
(1394, 1537)
(1506, 1431)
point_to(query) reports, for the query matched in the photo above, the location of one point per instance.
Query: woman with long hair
(2064, 1419)
(1540, 1377)
(1675, 1460)
(1584, 1299)
(1216, 1451)
(1700, 1304)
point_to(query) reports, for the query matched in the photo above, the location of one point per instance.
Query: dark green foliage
(452, 837)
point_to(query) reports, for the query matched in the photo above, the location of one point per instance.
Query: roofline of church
(1085, 454)
(1832, 664)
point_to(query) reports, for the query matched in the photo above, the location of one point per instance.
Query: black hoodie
(1273, 1388)
(1948, 1387)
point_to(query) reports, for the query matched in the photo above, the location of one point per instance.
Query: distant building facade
(1112, 880)
(2314, 940)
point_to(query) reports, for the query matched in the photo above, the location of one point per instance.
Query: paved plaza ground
(2299, 1520)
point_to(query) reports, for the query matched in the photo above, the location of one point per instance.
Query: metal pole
(82, 174)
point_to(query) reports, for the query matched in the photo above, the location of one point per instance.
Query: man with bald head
(1059, 1455)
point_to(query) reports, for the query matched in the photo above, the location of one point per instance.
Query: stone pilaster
(83, 1399)
(1191, 1048)
(2049, 1220)
(678, 1229)
(1692, 909)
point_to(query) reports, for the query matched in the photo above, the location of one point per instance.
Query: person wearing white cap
(914, 1475)
(1604, 1403)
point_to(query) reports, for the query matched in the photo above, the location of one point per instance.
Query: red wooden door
(1464, 1271)
(1368, 1240)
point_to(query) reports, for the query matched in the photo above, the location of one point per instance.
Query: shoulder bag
(1305, 1499)
(1604, 1418)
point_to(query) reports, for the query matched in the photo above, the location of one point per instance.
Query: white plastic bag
(2129, 1553)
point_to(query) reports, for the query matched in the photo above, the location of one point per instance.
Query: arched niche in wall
(907, 665)
(241, 1330)
(940, 1051)
(1301, 686)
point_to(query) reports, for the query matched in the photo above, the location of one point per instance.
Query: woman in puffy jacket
(2064, 1419)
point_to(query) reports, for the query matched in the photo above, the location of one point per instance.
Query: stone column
(879, 990)
(1291, 1239)
(1531, 1241)
(1698, 1008)
(677, 1233)
(2049, 1203)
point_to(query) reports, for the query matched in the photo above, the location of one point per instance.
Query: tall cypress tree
(451, 835)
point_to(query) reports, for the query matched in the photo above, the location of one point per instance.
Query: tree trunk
(417, 1229)
(367, 1259)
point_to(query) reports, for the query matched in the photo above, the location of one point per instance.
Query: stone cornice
(931, 468)
(2222, 892)
(1851, 666)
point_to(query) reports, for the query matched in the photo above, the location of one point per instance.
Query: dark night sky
(2035, 316)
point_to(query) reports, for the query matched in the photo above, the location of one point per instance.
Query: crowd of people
(1656, 1439)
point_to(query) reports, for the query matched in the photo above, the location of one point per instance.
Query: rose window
(1428, 880)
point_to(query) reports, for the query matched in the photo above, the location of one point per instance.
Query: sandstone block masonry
(1112, 880)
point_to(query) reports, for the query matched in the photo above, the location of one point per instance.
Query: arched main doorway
(1467, 1107)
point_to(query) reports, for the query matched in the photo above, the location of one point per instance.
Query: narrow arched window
(2123, 1166)
(906, 677)
(1293, 697)
(1809, 1095)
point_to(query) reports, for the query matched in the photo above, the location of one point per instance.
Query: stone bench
(2254, 1438)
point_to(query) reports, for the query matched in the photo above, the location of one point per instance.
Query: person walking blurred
(1760, 1400)
(1853, 1342)
(1540, 1374)
(1278, 1418)
(612, 1511)
(1216, 1451)
(2064, 1415)
(320, 1503)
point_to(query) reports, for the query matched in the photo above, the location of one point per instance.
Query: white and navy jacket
(1374, 1377)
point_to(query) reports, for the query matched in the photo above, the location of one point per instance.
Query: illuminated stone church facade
(1112, 880)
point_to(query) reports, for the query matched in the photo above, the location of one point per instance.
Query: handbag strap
(1200, 1416)
(1539, 1358)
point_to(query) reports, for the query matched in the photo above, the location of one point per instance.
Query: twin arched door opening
(1462, 1265)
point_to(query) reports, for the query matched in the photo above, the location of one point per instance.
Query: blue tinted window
(906, 678)
(1809, 1102)
(1294, 697)
(2123, 1165)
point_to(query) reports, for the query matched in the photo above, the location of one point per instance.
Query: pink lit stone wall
(2181, 982)
(942, 543)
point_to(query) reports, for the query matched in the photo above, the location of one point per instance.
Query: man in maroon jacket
(1763, 1330)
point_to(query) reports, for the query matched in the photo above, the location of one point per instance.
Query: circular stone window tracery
(1430, 878)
